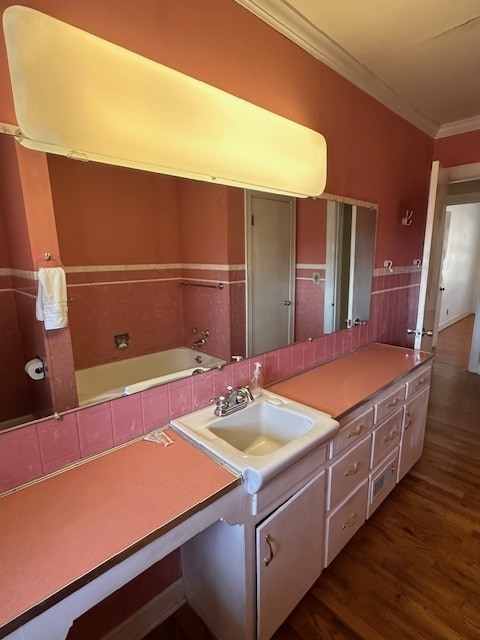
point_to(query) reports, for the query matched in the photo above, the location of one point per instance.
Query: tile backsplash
(40, 448)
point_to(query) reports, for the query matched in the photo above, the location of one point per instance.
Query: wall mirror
(145, 256)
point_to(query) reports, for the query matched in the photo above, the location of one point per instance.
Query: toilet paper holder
(35, 368)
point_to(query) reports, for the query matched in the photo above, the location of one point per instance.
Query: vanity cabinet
(245, 580)
(378, 443)
(413, 432)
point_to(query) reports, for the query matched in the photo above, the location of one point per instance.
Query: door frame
(456, 173)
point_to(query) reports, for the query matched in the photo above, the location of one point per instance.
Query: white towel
(52, 297)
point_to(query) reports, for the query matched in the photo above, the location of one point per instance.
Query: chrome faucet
(198, 343)
(237, 398)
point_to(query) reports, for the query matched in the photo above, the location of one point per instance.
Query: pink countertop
(339, 386)
(65, 529)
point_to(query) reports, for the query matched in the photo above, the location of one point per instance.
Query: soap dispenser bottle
(257, 381)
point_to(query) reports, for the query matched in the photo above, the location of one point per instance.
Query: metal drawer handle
(392, 436)
(353, 470)
(409, 421)
(350, 522)
(393, 403)
(356, 432)
(421, 381)
(271, 553)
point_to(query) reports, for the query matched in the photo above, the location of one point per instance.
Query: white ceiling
(421, 58)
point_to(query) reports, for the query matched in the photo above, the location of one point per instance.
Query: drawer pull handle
(392, 436)
(421, 381)
(393, 403)
(353, 470)
(271, 553)
(355, 432)
(407, 426)
(350, 522)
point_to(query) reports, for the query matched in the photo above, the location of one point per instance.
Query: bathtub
(115, 379)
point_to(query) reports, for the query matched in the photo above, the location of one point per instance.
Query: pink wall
(463, 148)
(111, 215)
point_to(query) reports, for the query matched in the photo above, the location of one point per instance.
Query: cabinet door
(413, 432)
(289, 555)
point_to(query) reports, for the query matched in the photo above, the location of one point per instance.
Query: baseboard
(454, 320)
(151, 615)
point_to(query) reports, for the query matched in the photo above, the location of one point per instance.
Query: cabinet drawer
(352, 432)
(345, 521)
(382, 481)
(285, 484)
(386, 437)
(419, 381)
(347, 472)
(389, 403)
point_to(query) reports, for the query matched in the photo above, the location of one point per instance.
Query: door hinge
(253, 220)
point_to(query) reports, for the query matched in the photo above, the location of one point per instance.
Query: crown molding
(459, 126)
(285, 19)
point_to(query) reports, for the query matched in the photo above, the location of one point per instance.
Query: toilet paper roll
(34, 368)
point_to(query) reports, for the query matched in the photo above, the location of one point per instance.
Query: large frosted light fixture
(80, 96)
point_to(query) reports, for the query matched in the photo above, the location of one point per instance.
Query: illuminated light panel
(80, 96)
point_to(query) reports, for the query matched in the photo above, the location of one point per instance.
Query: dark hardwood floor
(413, 571)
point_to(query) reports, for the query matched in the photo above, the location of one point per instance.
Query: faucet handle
(221, 405)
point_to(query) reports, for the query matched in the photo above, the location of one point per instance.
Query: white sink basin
(261, 439)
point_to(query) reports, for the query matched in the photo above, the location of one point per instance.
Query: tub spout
(198, 343)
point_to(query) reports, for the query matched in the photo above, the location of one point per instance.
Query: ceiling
(420, 58)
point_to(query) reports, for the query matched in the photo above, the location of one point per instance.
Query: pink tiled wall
(29, 452)
(145, 304)
(309, 304)
(155, 310)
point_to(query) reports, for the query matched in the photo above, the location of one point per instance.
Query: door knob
(287, 303)
(442, 288)
(417, 333)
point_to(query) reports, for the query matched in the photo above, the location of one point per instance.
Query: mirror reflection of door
(270, 247)
(349, 265)
(361, 265)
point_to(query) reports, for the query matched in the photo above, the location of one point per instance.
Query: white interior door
(428, 303)
(270, 246)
